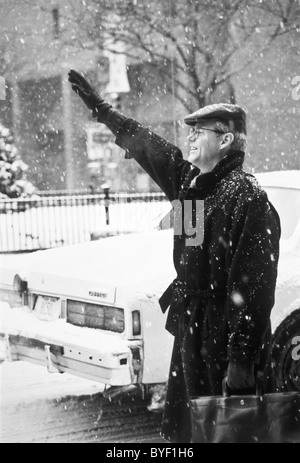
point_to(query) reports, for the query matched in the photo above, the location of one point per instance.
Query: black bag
(260, 418)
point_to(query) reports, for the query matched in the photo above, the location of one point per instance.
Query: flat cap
(223, 112)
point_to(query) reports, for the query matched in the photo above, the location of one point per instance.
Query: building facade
(58, 139)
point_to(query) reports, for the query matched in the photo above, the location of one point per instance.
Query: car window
(167, 221)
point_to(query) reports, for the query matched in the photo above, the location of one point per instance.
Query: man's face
(205, 146)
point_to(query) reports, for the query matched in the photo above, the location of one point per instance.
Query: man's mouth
(192, 148)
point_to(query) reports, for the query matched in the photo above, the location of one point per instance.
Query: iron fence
(49, 221)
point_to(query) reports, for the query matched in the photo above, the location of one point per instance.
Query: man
(220, 303)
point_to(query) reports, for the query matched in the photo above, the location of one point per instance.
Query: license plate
(47, 308)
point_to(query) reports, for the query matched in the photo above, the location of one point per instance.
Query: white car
(92, 309)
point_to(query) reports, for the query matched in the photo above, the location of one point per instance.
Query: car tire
(286, 366)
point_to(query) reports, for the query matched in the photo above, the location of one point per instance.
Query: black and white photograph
(149, 224)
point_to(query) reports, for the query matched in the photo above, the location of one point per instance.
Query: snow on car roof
(282, 178)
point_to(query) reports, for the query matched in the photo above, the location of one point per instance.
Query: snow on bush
(13, 181)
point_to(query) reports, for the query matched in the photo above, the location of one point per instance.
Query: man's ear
(227, 139)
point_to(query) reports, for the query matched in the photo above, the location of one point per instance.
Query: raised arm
(159, 158)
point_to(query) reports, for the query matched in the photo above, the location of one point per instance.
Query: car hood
(136, 261)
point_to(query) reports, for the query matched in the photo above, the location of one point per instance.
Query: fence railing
(50, 221)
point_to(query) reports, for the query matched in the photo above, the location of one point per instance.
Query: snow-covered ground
(37, 383)
(38, 407)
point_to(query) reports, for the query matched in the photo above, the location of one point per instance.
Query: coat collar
(204, 184)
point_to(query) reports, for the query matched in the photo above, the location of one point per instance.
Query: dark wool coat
(221, 301)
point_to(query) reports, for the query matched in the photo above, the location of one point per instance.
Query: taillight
(136, 323)
(95, 316)
(63, 313)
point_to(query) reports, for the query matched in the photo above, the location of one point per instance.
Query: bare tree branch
(200, 40)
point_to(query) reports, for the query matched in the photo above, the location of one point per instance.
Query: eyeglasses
(196, 132)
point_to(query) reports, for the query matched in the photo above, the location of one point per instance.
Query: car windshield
(287, 203)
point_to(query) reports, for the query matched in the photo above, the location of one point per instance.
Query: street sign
(118, 79)
(99, 141)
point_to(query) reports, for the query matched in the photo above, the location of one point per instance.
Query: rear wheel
(285, 355)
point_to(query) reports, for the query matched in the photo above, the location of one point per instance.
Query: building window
(55, 17)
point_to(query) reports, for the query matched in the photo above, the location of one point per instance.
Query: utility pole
(16, 112)
(68, 130)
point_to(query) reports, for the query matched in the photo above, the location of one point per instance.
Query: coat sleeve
(252, 279)
(159, 158)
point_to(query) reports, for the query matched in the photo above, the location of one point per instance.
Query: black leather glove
(240, 375)
(87, 93)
